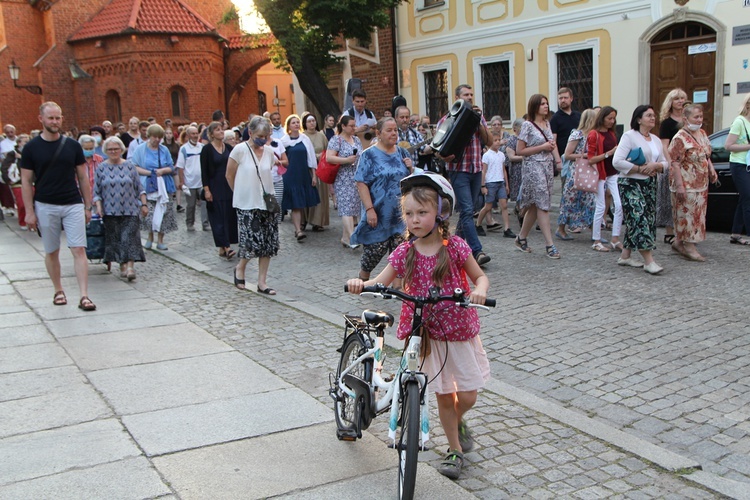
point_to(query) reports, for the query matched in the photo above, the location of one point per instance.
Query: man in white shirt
(189, 170)
(9, 143)
(363, 118)
(277, 129)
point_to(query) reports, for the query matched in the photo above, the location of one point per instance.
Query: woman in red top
(602, 143)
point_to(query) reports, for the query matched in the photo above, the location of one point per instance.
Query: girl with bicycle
(452, 356)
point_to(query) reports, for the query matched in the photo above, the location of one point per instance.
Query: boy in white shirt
(493, 189)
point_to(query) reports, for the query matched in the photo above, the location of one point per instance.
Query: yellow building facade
(611, 52)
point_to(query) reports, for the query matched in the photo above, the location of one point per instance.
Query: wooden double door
(672, 66)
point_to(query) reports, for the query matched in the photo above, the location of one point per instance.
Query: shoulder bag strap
(54, 158)
(544, 136)
(257, 170)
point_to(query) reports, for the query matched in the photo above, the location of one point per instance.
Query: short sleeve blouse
(344, 149)
(446, 320)
(741, 128)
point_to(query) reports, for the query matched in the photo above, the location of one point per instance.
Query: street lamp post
(15, 72)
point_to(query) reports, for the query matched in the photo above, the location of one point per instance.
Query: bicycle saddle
(378, 319)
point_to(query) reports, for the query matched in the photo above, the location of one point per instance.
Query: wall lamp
(15, 72)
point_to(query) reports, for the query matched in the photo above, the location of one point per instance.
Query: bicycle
(357, 386)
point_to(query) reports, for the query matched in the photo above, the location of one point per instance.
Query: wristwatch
(606, 155)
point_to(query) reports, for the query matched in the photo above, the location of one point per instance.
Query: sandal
(738, 240)
(229, 253)
(599, 247)
(59, 299)
(86, 305)
(452, 465)
(552, 252)
(616, 246)
(268, 291)
(239, 283)
(130, 274)
(668, 238)
(522, 244)
(300, 235)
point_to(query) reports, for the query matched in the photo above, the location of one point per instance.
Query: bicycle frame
(408, 370)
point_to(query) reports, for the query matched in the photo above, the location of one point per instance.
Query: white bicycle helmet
(430, 179)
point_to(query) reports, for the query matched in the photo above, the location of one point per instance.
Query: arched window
(114, 111)
(178, 100)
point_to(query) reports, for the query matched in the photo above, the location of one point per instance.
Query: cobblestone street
(662, 358)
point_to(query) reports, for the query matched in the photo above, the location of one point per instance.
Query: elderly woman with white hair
(93, 159)
(249, 176)
(120, 198)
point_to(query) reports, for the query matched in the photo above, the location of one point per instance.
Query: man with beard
(50, 166)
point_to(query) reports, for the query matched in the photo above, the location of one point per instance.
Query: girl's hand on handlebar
(478, 297)
(355, 286)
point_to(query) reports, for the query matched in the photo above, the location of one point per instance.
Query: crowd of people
(193, 169)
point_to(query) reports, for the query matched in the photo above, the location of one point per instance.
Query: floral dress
(344, 186)
(514, 169)
(536, 188)
(576, 207)
(693, 156)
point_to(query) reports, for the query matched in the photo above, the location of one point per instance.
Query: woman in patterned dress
(690, 156)
(576, 207)
(537, 146)
(344, 150)
(249, 176)
(515, 164)
(119, 197)
(637, 187)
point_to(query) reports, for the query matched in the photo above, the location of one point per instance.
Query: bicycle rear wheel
(408, 441)
(344, 406)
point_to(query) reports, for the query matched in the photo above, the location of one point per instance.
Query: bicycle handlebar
(459, 296)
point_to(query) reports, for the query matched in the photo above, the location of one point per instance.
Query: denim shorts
(495, 191)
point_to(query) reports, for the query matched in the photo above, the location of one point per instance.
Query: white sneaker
(653, 268)
(629, 262)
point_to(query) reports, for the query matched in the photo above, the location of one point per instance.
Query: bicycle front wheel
(408, 441)
(344, 407)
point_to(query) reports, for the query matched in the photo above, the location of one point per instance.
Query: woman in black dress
(221, 214)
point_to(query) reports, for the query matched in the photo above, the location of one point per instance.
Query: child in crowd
(493, 189)
(455, 363)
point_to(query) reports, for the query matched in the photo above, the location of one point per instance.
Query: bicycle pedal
(346, 435)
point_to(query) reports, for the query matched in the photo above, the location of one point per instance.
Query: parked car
(722, 196)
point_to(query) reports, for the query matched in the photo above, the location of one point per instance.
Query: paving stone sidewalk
(663, 358)
(521, 452)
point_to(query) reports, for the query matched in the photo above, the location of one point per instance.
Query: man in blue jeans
(466, 177)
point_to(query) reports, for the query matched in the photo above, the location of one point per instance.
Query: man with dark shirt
(465, 175)
(564, 120)
(50, 166)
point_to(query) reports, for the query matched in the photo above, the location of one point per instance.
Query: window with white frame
(432, 3)
(575, 66)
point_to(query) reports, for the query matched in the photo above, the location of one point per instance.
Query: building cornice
(504, 31)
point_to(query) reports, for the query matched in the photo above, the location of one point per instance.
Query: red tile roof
(144, 16)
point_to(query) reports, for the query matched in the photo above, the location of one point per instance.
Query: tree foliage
(307, 34)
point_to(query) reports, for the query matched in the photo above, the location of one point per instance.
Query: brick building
(113, 59)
